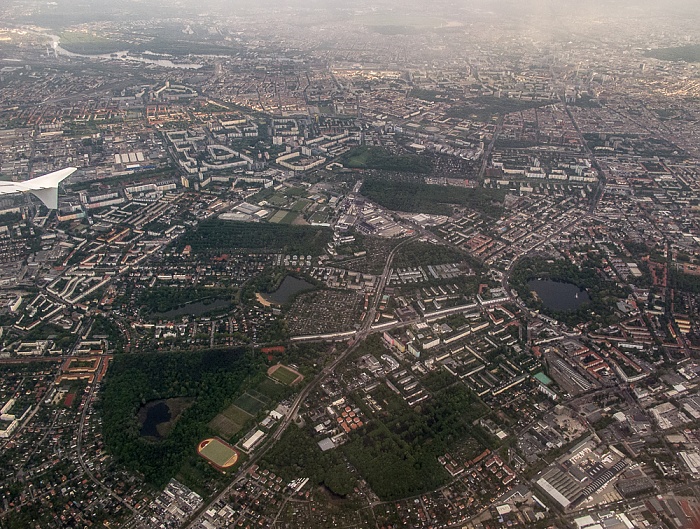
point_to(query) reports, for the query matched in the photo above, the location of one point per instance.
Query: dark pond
(158, 417)
(290, 287)
(196, 308)
(559, 296)
(156, 412)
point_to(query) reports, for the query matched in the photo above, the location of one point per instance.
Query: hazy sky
(531, 6)
(532, 15)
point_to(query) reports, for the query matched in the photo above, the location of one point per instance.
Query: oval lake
(559, 296)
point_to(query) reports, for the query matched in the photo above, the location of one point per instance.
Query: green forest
(414, 197)
(398, 457)
(690, 53)
(103, 326)
(85, 43)
(163, 299)
(214, 237)
(212, 378)
(378, 158)
(418, 253)
(297, 454)
(483, 108)
(685, 282)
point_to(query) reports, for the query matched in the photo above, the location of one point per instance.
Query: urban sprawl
(358, 268)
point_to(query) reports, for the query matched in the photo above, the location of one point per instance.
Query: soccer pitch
(220, 454)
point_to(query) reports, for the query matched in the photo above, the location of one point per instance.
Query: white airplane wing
(45, 188)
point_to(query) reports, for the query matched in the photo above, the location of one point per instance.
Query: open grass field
(359, 159)
(236, 414)
(277, 217)
(230, 421)
(320, 216)
(271, 389)
(257, 395)
(81, 42)
(249, 404)
(277, 200)
(220, 454)
(300, 204)
(378, 158)
(284, 374)
(289, 218)
(224, 426)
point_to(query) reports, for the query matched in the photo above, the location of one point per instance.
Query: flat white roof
(259, 434)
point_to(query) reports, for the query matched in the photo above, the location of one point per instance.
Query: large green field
(289, 218)
(91, 44)
(224, 426)
(284, 375)
(249, 404)
(300, 204)
(236, 414)
(87, 43)
(230, 421)
(278, 216)
(271, 390)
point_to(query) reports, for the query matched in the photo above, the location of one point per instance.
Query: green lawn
(284, 375)
(289, 218)
(300, 204)
(279, 216)
(230, 421)
(249, 404)
(272, 390)
(236, 414)
(224, 426)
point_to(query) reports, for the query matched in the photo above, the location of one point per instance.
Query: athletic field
(220, 454)
(284, 374)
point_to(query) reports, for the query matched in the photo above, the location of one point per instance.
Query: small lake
(196, 308)
(559, 296)
(156, 413)
(156, 418)
(289, 288)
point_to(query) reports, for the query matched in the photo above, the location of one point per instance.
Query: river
(123, 56)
